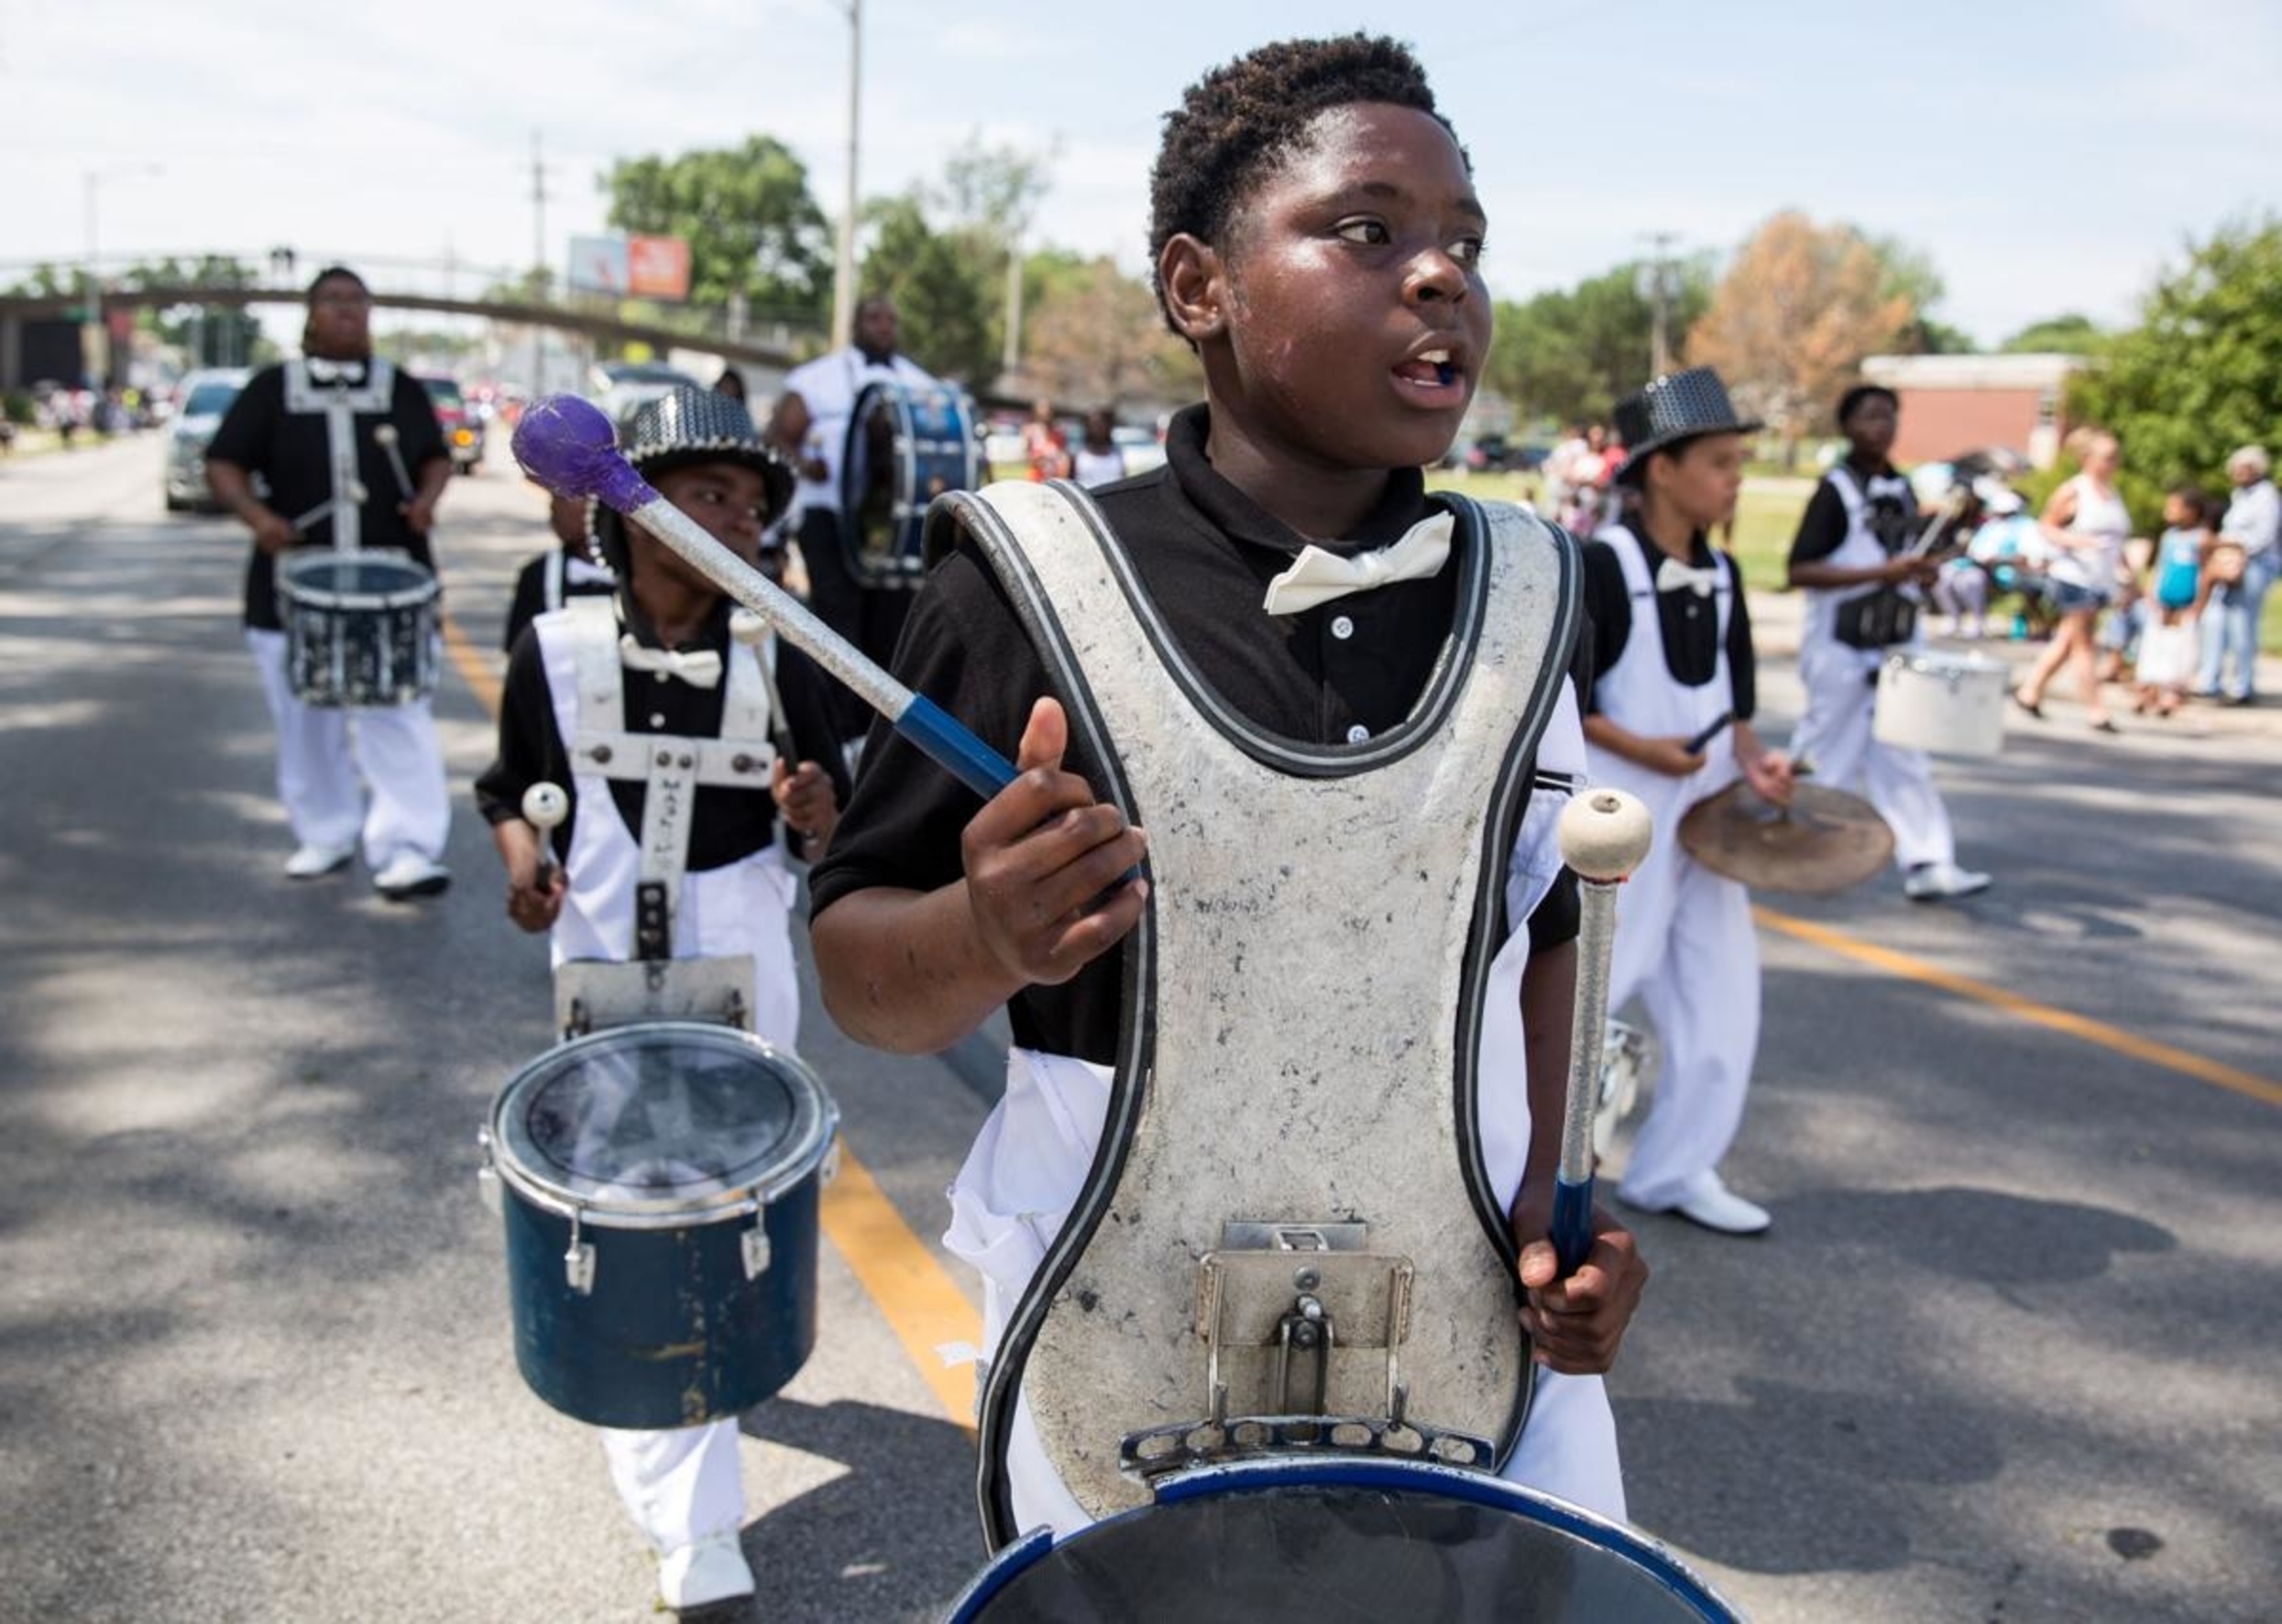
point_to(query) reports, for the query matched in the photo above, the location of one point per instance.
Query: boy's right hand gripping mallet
(544, 806)
(567, 445)
(1604, 834)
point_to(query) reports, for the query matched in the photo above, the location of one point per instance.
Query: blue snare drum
(360, 628)
(906, 445)
(1340, 1537)
(660, 1185)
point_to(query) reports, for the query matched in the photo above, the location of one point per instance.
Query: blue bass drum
(360, 628)
(906, 445)
(659, 1185)
(1351, 1538)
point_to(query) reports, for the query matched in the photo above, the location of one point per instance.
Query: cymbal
(1828, 839)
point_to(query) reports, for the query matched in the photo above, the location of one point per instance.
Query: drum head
(325, 576)
(1351, 1539)
(664, 1118)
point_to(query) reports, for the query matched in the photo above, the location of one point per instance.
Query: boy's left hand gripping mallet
(544, 808)
(1603, 835)
(567, 445)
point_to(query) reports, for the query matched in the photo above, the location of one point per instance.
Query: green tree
(1569, 355)
(209, 334)
(1095, 337)
(2069, 333)
(746, 212)
(2202, 373)
(1909, 273)
(944, 299)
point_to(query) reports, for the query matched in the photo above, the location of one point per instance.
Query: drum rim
(1252, 1476)
(815, 1125)
(418, 588)
(1944, 662)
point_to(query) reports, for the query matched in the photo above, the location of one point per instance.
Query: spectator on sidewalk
(2252, 527)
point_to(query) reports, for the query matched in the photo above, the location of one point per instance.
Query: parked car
(199, 403)
(463, 428)
(1489, 455)
(623, 388)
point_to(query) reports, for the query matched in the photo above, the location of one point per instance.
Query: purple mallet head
(567, 445)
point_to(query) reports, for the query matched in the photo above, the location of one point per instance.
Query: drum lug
(755, 1243)
(831, 1166)
(579, 1260)
(487, 1177)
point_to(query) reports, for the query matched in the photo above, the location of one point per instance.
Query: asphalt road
(2010, 1353)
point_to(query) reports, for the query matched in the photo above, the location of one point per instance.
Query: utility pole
(538, 263)
(844, 268)
(95, 337)
(1659, 301)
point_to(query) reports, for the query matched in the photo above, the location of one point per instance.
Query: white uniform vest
(1639, 693)
(338, 404)
(1819, 647)
(741, 908)
(1294, 996)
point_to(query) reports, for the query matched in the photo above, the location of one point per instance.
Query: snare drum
(906, 445)
(1953, 704)
(1358, 1539)
(659, 1185)
(360, 628)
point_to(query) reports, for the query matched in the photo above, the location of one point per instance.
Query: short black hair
(1853, 397)
(333, 273)
(1238, 120)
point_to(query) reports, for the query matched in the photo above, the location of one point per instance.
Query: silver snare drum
(360, 628)
(1951, 704)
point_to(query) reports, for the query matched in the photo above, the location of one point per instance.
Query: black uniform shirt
(1204, 553)
(531, 589)
(291, 452)
(1823, 527)
(726, 825)
(1689, 624)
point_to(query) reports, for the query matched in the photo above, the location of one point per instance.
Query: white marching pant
(323, 750)
(1835, 737)
(1567, 1448)
(1684, 944)
(680, 1486)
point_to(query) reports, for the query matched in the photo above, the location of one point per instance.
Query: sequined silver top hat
(1678, 406)
(688, 426)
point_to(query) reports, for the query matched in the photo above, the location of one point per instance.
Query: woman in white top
(2087, 522)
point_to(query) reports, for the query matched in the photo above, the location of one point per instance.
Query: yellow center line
(2171, 1058)
(896, 1271)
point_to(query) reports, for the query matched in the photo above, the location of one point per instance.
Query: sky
(2049, 157)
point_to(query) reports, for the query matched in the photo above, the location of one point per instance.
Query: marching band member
(567, 570)
(1318, 243)
(664, 643)
(308, 427)
(821, 395)
(1670, 720)
(1853, 555)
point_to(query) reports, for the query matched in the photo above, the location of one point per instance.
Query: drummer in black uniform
(280, 428)
(567, 570)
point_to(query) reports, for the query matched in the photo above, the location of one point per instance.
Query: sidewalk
(1776, 617)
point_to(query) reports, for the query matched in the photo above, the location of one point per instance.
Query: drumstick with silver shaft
(1604, 834)
(544, 808)
(302, 524)
(384, 437)
(566, 444)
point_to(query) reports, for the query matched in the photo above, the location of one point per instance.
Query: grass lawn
(1765, 519)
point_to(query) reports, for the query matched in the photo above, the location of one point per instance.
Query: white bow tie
(700, 668)
(325, 371)
(1317, 577)
(1672, 575)
(582, 573)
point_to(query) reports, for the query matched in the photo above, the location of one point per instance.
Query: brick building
(1952, 404)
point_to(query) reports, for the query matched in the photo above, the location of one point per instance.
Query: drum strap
(340, 404)
(671, 768)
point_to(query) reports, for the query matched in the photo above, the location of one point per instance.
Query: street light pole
(1660, 296)
(844, 268)
(92, 352)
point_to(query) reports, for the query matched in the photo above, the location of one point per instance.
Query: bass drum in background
(907, 443)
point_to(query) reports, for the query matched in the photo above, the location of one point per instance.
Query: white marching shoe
(708, 1573)
(1935, 881)
(1712, 1205)
(410, 874)
(313, 861)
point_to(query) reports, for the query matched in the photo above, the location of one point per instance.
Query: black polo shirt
(1689, 624)
(1204, 553)
(289, 450)
(726, 825)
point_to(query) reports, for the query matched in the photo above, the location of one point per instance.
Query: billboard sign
(598, 265)
(657, 266)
